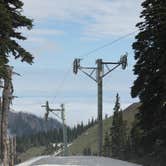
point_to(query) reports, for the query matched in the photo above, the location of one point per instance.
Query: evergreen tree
(115, 128)
(87, 151)
(10, 21)
(136, 134)
(118, 131)
(150, 67)
(107, 145)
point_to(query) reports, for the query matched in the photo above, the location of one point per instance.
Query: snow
(75, 161)
(56, 165)
(31, 161)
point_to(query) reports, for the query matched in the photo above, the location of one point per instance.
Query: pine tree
(10, 21)
(87, 151)
(107, 145)
(123, 137)
(150, 67)
(118, 131)
(136, 134)
(115, 128)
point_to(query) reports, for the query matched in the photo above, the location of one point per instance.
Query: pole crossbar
(57, 110)
(56, 115)
(107, 67)
(92, 71)
(111, 63)
(89, 75)
(110, 70)
(87, 67)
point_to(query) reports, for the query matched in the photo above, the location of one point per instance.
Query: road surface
(76, 161)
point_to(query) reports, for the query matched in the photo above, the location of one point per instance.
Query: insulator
(76, 65)
(123, 61)
(47, 110)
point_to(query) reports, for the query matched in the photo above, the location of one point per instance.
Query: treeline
(53, 136)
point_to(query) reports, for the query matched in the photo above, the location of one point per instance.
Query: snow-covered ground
(75, 161)
(31, 161)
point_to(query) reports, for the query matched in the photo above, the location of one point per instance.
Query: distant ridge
(21, 123)
(133, 107)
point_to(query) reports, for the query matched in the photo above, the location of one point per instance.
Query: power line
(109, 43)
(61, 85)
(66, 74)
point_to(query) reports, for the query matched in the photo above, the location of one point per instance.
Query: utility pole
(64, 129)
(100, 104)
(100, 74)
(62, 110)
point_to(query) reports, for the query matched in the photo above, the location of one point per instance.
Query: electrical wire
(66, 74)
(109, 43)
(61, 84)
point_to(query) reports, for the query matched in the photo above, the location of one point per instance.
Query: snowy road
(77, 161)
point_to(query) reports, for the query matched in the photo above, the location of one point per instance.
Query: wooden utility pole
(100, 74)
(62, 110)
(0, 130)
(64, 129)
(100, 104)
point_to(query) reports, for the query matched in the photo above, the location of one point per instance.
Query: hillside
(21, 123)
(89, 138)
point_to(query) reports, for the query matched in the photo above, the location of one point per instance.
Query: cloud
(45, 32)
(41, 36)
(41, 40)
(100, 18)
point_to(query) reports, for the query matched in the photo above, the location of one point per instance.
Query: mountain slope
(21, 123)
(89, 138)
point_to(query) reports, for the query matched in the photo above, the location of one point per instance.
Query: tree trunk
(1, 131)
(6, 100)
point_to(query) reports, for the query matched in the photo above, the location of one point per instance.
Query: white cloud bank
(100, 18)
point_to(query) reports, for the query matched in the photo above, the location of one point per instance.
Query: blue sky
(68, 29)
